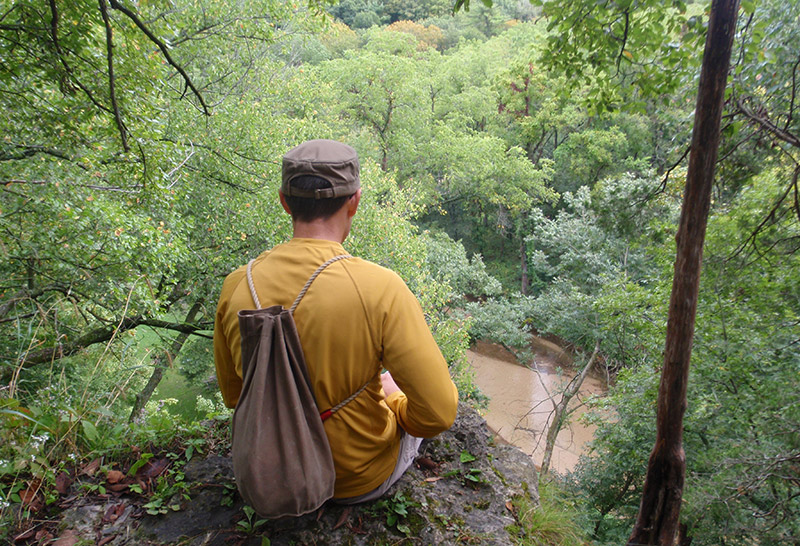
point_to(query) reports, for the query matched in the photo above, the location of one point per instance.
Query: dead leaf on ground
(67, 538)
(28, 495)
(427, 463)
(31, 498)
(114, 476)
(63, 481)
(114, 511)
(25, 535)
(43, 535)
(153, 469)
(90, 468)
(509, 506)
(106, 540)
(345, 515)
(433, 479)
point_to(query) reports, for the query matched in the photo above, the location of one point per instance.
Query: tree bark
(561, 408)
(659, 512)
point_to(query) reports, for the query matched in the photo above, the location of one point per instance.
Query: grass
(554, 522)
(174, 385)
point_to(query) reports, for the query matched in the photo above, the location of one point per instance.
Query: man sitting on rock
(357, 319)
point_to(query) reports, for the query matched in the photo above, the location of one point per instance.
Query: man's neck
(318, 230)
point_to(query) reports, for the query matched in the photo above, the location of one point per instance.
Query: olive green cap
(328, 159)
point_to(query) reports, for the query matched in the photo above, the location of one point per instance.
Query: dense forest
(523, 169)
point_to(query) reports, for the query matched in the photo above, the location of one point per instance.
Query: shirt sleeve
(428, 402)
(230, 383)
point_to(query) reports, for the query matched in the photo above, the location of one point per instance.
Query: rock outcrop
(460, 491)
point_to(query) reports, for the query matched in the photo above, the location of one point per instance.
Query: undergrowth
(553, 522)
(56, 448)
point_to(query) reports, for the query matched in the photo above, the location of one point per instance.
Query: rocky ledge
(461, 490)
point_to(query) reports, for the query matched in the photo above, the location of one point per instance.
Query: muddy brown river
(520, 407)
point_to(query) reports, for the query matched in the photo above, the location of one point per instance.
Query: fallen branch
(561, 408)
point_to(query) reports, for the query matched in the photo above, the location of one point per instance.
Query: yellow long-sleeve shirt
(356, 318)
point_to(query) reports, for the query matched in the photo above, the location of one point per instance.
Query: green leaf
(20, 414)
(140, 463)
(90, 431)
(467, 457)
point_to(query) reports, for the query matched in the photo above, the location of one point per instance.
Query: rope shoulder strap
(313, 276)
(327, 414)
(302, 293)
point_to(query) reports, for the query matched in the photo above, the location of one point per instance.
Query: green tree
(379, 89)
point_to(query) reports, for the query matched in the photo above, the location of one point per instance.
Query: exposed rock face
(459, 491)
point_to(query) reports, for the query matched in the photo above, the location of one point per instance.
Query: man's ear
(352, 203)
(284, 203)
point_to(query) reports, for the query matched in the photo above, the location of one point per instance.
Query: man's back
(356, 318)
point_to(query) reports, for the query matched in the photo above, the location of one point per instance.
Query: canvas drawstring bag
(281, 457)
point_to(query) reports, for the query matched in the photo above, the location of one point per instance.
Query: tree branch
(771, 215)
(29, 151)
(624, 39)
(164, 50)
(59, 52)
(158, 371)
(102, 334)
(672, 168)
(794, 95)
(768, 125)
(561, 407)
(111, 80)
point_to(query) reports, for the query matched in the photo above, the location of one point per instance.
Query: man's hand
(389, 386)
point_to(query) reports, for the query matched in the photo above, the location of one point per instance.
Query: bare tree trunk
(561, 408)
(523, 256)
(162, 362)
(659, 512)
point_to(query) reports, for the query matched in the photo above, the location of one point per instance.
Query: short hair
(308, 209)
